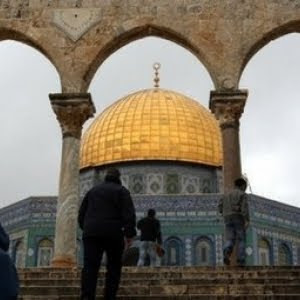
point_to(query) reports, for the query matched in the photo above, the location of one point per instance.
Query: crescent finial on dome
(156, 67)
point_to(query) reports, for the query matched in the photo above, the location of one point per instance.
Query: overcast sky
(31, 139)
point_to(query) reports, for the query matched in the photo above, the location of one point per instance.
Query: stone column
(71, 110)
(228, 107)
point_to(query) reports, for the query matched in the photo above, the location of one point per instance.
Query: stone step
(174, 289)
(177, 269)
(250, 283)
(49, 274)
(228, 279)
(171, 281)
(181, 297)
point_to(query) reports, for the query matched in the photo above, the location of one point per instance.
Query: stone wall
(78, 35)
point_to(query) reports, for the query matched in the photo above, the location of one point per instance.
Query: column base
(63, 262)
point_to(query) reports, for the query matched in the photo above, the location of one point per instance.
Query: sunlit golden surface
(153, 124)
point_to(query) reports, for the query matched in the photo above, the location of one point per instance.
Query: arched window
(38, 123)
(264, 252)
(19, 254)
(284, 255)
(203, 252)
(45, 253)
(174, 248)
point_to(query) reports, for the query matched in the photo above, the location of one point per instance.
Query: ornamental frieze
(75, 22)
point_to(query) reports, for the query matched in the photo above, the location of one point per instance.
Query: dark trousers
(94, 247)
(235, 234)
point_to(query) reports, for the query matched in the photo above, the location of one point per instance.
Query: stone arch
(285, 256)
(264, 252)
(17, 36)
(137, 33)
(203, 251)
(17, 46)
(275, 33)
(45, 249)
(174, 251)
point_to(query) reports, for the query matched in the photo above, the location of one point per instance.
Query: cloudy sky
(31, 138)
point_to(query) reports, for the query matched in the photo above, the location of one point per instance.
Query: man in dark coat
(106, 215)
(150, 235)
(9, 284)
(234, 209)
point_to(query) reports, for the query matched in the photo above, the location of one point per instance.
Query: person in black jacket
(9, 283)
(150, 235)
(106, 215)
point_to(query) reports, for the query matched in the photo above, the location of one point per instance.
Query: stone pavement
(182, 283)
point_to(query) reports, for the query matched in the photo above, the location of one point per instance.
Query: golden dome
(153, 124)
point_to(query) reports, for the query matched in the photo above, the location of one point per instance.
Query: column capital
(72, 110)
(228, 106)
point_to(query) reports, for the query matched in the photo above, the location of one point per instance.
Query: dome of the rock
(153, 124)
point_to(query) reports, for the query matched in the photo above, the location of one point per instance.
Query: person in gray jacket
(234, 209)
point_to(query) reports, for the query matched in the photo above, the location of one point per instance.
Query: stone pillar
(71, 110)
(228, 107)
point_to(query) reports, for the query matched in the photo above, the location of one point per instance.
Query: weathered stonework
(224, 35)
(78, 35)
(228, 107)
(75, 22)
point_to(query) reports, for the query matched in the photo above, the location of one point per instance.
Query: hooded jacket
(107, 210)
(9, 283)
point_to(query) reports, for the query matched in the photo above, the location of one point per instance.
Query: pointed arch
(137, 33)
(285, 256)
(17, 36)
(19, 253)
(174, 251)
(45, 252)
(264, 252)
(275, 33)
(204, 251)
